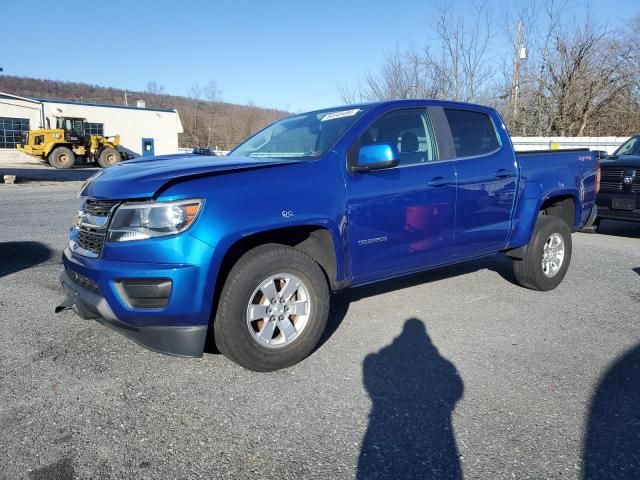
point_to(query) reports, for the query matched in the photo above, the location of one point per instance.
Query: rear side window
(473, 132)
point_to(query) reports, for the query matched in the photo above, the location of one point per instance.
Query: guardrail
(608, 144)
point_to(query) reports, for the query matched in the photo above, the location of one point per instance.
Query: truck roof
(412, 101)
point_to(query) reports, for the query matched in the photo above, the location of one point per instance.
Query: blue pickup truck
(244, 251)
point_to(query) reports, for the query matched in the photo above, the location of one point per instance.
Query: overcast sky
(285, 54)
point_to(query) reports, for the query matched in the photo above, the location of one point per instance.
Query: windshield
(305, 136)
(630, 147)
(72, 125)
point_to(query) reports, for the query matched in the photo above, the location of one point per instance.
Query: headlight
(138, 221)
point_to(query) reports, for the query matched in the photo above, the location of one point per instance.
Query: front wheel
(273, 308)
(62, 157)
(108, 157)
(548, 255)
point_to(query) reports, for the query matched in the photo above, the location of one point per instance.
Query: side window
(410, 130)
(94, 128)
(473, 132)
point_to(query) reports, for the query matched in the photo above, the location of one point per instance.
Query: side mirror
(376, 156)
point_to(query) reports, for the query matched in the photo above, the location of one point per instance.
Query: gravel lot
(455, 371)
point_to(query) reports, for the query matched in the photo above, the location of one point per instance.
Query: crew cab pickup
(243, 251)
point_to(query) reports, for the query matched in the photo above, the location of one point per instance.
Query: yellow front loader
(61, 146)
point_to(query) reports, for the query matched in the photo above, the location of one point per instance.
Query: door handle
(439, 182)
(504, 173)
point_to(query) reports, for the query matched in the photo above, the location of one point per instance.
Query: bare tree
(580, 72)
(194, 120)
(455, 65)
(154, 88)
(349, 94)
(579, 78)
(463, 65)
(251, 119)
(212, 96)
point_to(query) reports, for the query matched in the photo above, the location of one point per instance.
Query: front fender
(229, 238)
(242, 204)
(50, 146)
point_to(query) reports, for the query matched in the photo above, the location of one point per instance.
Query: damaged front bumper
(184, 341)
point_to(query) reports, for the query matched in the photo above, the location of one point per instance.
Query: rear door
(401, 219)
(487, 176)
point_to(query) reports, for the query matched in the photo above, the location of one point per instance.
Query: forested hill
(207, 122)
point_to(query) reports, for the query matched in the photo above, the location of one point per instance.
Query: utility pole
(520, 54)
(126, 103)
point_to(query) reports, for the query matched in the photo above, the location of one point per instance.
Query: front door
(148, 149)
(487, 177)
(401, 219)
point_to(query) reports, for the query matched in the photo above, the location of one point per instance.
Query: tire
(243, 294)
(62, 157)
(530, 272)
(109, 157)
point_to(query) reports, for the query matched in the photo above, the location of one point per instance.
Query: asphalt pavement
(455, 372)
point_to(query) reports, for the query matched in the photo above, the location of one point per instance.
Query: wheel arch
(559, 203)
(315, 240)
(51, 147)
(562, 206)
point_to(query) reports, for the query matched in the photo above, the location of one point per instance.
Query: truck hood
(142, 178)
(622, 161)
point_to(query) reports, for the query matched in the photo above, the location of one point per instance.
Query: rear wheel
(108, 157)
(273, 308)
(62, 157)
(548, 255)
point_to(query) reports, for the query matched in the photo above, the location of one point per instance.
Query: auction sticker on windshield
(340, 114)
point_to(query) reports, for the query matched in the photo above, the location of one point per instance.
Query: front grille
(614, 172)
(610, 186)
(91, 241)
(92, 225)
(99, 208)
(612, 180)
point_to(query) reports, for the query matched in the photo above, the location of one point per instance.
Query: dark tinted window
(11, 130)
(93, 128)
(630, 147)
(473, 132)
(410, 130)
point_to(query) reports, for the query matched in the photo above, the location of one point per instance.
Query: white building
(143, 131)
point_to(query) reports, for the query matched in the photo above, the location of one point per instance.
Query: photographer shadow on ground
(413, 391)
(341, 300)
(612, 439)
(16, 256)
